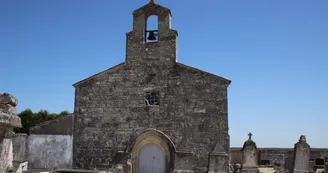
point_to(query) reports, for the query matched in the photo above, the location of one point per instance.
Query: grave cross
(250, 135)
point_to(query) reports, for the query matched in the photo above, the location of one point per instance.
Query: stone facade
(186, 108)
(8, 120)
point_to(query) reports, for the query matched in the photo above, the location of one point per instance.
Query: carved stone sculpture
(8, 120)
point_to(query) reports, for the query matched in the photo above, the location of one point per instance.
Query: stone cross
(250, 135)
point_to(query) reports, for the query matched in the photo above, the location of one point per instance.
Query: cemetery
(148, 114)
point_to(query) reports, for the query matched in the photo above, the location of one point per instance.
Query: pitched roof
(150, 5)
(81, 81)
(196, 69)
(45, 123)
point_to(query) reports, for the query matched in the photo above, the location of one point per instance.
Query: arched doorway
(152, 152)
(151, 159)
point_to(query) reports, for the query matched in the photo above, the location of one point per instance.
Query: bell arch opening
(152, 28)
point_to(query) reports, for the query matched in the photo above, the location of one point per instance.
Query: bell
(152, 35)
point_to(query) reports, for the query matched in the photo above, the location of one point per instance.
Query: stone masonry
(185, 106)
(8, 120)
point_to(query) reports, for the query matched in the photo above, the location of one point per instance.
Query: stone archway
(152, 152)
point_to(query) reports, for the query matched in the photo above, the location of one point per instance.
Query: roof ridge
(194, 68)
(49, 121)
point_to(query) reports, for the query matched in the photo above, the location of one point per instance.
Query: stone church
(152, 114)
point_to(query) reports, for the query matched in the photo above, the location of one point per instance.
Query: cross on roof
(250, 135)
(152, 1)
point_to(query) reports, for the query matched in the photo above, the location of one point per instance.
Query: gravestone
(289, 164)
(249, 156)
(8, 120)
(301, 157)
(311, 165)
(218, 158)
(326, 164)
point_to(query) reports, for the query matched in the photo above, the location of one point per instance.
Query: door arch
(152, 149)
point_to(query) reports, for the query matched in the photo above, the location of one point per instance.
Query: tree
(30, 119)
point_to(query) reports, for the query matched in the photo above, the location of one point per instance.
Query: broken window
(152, 98)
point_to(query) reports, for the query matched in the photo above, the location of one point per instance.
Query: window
(152, 98)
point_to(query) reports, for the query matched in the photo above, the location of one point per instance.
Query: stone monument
(312, 166)
(8, 120)
(249, 156)
(326, 165)
(301, 162)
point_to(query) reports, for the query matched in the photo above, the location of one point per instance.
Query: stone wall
(111, 111)
(19, 147)
(44, 151)
(276, 156)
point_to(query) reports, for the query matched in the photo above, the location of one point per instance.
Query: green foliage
(30, 119)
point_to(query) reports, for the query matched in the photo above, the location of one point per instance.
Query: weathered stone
(250, 156)
(282, 156)
(301, 156)
(326, 164)
(113, 108)
(8, 117)
(60, 126)
(311, 166)
(6, 98)
(8, 120)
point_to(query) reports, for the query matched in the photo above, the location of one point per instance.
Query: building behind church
(152, 112)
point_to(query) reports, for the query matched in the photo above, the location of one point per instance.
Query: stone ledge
(9, 120)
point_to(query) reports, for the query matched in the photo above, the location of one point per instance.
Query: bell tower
(156, 46)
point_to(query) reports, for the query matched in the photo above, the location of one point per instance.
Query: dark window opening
(319, 162)
(152, 29)
(152, 98)
(265, 162)
(150, 77)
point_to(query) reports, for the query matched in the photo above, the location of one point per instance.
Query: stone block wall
(20, 147)
(44, 151)
(50, 151)
(110, 111)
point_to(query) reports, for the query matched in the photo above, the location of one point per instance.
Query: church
(152, 114)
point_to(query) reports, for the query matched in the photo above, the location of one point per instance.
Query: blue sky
(275, 52)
